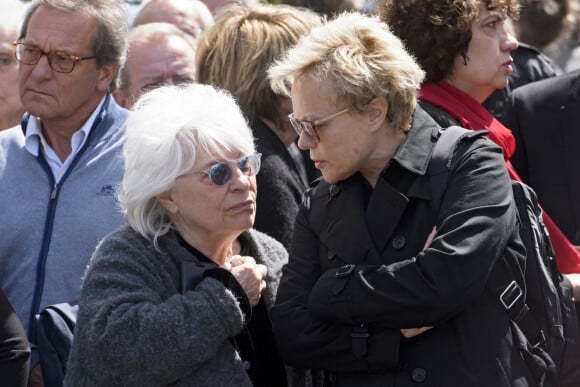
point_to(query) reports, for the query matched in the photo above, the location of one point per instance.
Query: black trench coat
(347, 319)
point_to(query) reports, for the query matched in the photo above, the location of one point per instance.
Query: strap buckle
(510, 295)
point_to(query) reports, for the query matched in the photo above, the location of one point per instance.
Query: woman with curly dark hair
(464, 48)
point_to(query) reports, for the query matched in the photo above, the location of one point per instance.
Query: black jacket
(545, 120)
(280, 186)
(325, 308)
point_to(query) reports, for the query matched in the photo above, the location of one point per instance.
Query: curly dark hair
(435, 31)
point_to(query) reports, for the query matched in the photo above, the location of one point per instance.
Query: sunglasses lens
(246, 165)
(220, 174)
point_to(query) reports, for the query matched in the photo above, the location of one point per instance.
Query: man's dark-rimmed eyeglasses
(58, 61)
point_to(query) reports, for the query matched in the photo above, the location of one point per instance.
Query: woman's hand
(250, 275)
(412, 332)
(575, 280)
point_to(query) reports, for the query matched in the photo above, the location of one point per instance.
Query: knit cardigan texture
(135, 328)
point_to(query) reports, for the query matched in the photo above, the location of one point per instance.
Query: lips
(508, 65)
(36, 91)
(243, 206)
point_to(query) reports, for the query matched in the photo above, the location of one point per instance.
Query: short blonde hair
(363, 60)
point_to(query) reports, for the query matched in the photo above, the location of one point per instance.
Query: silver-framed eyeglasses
(310, 126)
(59, 61)
(221, 173)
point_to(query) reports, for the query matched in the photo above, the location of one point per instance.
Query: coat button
(418, 375)
(399, 242)
(332, 378)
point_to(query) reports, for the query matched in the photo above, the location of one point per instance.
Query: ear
(377, 111)
(105, 77)
(167, 201)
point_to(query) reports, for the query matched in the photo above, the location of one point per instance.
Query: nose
(509, 42)
(305, 142)
(42, 67)
(239, 180)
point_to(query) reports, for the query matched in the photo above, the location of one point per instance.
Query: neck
(479, 94)
(219, 252)
(385, 149)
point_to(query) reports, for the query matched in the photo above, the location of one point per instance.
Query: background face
(10, 106)
(155, 64)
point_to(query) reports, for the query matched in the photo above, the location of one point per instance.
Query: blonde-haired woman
(369, 294)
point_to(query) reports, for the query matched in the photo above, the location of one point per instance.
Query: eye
(492, 24)
(61, 57)
(6, 60)
(244, 164)
(151, 86)
(220, 174)
(183, 79)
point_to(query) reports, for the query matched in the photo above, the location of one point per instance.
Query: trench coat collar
(415, 151)
(359, 234)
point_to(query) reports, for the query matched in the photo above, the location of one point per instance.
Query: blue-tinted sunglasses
(221, 173)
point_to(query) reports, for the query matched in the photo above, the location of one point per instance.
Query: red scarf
(474, 116)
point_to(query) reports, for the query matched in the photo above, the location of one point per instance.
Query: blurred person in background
(329, 7)
(234, 54)
(191, 16)
(11, 110)
(159, 54)
(465, 50)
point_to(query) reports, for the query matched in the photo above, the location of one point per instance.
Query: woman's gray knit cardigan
(135, 328)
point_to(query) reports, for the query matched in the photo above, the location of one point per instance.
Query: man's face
(62, 99)
(150, 65)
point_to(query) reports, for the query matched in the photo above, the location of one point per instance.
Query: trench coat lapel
(346, 224)
(344, 229)
(383, 213)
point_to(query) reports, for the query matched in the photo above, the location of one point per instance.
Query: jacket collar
(364, 233)
(109, 120)
(415, 151)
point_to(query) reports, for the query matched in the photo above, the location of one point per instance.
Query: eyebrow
(66, 51)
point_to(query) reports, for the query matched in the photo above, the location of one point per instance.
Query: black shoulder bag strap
(509, 282)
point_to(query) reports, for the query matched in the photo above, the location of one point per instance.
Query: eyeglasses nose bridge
(42, 54)
(237, 176)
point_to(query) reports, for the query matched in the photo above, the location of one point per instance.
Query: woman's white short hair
(165, 129)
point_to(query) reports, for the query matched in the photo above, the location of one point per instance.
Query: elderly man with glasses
(60, 167)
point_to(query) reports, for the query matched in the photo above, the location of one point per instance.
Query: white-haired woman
(369, 294)
(181, 295)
